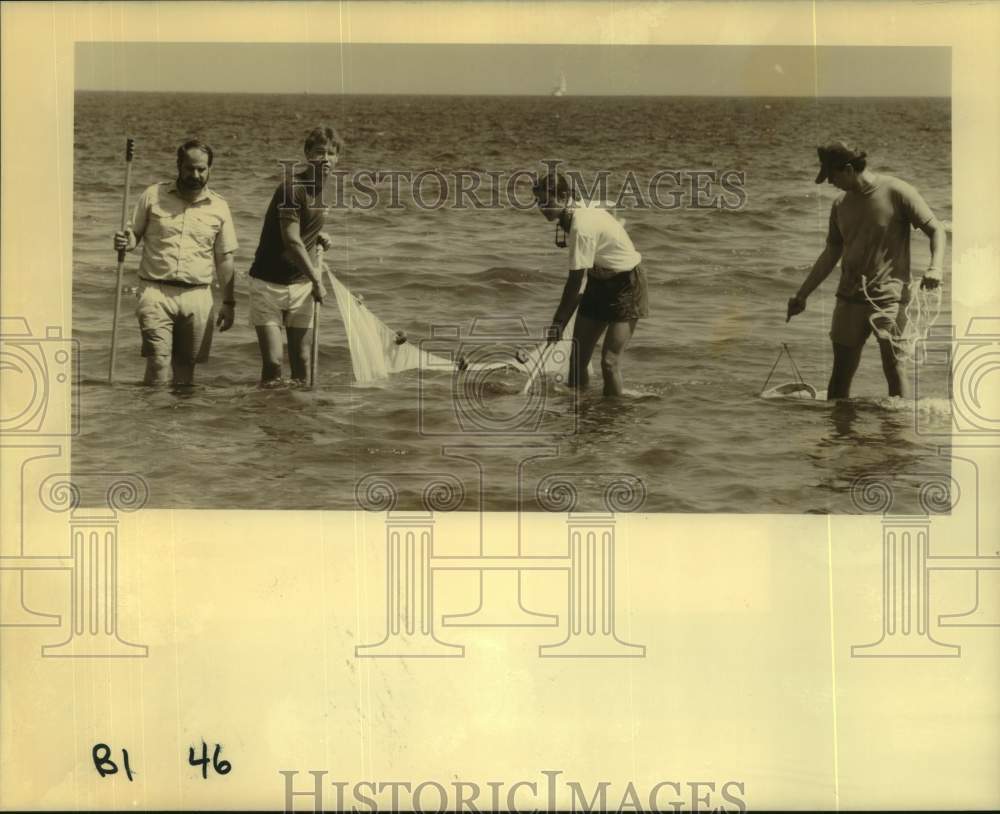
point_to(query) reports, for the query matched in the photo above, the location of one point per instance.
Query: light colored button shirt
(599, 242)
(181, 240)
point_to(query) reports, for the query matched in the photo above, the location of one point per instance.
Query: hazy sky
(732, 70)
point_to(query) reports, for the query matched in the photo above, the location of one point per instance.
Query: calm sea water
(694, 430)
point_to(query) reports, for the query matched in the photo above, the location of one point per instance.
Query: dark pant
(620, 298)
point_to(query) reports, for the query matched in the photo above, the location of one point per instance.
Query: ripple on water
(693, 430)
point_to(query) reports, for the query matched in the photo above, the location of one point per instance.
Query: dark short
(620, 298)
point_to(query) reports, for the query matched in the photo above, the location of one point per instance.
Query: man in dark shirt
(285, 278)
(869, 233)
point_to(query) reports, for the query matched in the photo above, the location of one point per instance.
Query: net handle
(769, 375)
(783, 352)
(795, 367)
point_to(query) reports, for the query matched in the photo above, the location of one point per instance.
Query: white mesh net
(378, 352)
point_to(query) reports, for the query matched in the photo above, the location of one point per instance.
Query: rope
(921, 313)
(773, 368)
(795, 367)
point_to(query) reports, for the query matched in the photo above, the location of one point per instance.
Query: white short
(290, 306)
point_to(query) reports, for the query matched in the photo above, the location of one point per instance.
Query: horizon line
(547, 95)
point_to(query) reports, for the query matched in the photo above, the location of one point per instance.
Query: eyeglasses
(561, 240)
(560, 236)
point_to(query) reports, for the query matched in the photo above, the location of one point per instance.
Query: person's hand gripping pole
(122, 248)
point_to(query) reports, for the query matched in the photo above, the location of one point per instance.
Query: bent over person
(869, 233)
(187, 234)
(616, 295)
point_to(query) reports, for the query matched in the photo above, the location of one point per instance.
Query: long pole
(314, 357)
(129, 152)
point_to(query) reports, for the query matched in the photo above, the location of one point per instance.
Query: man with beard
(186, 232)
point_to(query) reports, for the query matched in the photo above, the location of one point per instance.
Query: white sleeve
(581, 251)
(137, 223)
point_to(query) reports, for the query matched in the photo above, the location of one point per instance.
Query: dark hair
(322, 137)
(858, 163)
(193, 144)
(551, 187)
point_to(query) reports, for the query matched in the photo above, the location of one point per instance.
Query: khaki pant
(175, 321)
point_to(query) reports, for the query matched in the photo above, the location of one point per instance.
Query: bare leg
(895, 373)
(586, 332)
(845, 365)
(271, 352)
(615, 342)
(299, 352)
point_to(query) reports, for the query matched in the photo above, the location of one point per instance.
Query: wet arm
(291, 237)
(570, 298)
(825, 263)
(939, 242)
(225, 270)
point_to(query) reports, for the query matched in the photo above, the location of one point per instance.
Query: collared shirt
(597, 241)
(181, 240)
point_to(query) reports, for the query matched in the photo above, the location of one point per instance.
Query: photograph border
(86, 535)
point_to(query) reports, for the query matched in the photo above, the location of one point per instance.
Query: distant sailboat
(560, 89)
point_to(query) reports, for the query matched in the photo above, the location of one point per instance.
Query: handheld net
(797, 389)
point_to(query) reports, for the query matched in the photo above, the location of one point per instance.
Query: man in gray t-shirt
(869, 233)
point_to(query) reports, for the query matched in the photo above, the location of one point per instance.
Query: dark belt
(610, 274)
(178, 283)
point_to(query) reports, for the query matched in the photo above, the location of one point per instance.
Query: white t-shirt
(598, 241)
